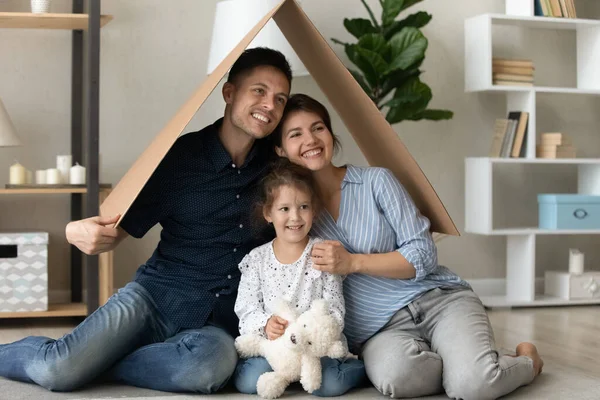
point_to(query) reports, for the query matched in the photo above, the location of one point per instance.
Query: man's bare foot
(529, 350)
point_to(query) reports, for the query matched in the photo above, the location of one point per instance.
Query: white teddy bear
(295, 355)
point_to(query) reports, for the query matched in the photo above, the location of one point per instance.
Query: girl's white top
(265, 281)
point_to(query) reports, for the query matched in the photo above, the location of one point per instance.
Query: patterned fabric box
(23, 271)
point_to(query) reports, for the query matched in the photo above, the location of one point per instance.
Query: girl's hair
(302, 102)
(285, 173)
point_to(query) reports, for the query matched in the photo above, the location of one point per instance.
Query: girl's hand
(330, 256)
(275, 327)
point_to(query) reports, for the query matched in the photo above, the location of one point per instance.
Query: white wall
(154, 56)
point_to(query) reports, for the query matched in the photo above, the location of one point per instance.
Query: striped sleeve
(413, 239)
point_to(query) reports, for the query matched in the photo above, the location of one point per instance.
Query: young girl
(283, 268)
(418, 327)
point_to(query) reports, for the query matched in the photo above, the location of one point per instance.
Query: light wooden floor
(568, 339)
(568, 335)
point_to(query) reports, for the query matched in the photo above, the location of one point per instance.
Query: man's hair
(256, 57)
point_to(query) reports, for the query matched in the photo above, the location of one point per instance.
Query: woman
(418, 327)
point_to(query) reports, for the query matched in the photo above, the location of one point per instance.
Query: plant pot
(40, 6)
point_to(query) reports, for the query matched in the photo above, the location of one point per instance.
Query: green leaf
(396, 79)
(361, 81)
(391, 9)
(409, 100)
(408, 47)
(371, 64)
(376, 43)
(412, 86)
(417, 20)
(435, 115)
(359, 27)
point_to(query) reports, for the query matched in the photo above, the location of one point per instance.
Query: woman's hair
(302, 102)
(285, 173)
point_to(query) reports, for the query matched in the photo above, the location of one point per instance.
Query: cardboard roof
(375, 137)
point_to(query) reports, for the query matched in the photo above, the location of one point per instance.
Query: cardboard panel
(129, 187)
(374, 135)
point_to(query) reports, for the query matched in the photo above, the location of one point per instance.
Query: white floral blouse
(265, 280)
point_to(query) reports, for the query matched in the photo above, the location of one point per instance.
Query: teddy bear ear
(320, 305)
(284, 310)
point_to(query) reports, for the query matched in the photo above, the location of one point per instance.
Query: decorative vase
(40, 6)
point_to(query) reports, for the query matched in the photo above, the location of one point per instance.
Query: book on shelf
(522, 119)
(500, 127)
(512, 62)
(512, 72)
(509, 135)
(555, 8)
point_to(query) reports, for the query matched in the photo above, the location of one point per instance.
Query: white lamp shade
(8, 133)
(235, 18)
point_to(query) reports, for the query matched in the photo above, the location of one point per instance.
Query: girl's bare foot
(529, 350)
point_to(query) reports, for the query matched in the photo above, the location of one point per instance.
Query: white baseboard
(497, 286)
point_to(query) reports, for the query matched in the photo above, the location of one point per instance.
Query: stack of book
(510, 72)
(555, 8)
(509, 135)
(555, 145)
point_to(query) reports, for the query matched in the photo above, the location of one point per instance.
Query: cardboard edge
(360, 115)
(131, 184)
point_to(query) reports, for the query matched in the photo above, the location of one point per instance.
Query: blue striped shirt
(377, 215)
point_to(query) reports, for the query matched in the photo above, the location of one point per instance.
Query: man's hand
(92, 235)
(330, 256)
(275, 327)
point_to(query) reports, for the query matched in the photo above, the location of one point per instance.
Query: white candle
(18, 174)
(40, 177)
(63, 164)
(77, 175)
(52, 176)
(576, 259)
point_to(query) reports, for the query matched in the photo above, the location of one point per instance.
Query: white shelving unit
(521, 242)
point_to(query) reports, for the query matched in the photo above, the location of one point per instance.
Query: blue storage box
(569, 211)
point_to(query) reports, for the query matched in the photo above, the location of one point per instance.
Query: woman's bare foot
(529, 350)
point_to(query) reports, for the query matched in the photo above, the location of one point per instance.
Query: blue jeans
(126, 340)
(338, 376)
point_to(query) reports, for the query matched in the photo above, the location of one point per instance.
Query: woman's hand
(330, 256)
(275, 327)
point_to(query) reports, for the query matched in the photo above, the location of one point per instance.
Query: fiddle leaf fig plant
(388, 55)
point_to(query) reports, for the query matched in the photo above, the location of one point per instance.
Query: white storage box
(569, 286)
(23, 271)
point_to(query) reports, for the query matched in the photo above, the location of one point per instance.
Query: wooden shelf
(539, 301)
(48, 21)
(49, 189)
(54, 310)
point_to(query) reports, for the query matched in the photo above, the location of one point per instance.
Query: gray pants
(442, 340)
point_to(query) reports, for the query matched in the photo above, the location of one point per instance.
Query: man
(172, 328)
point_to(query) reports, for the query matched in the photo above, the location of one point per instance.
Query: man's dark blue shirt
(204, 203)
